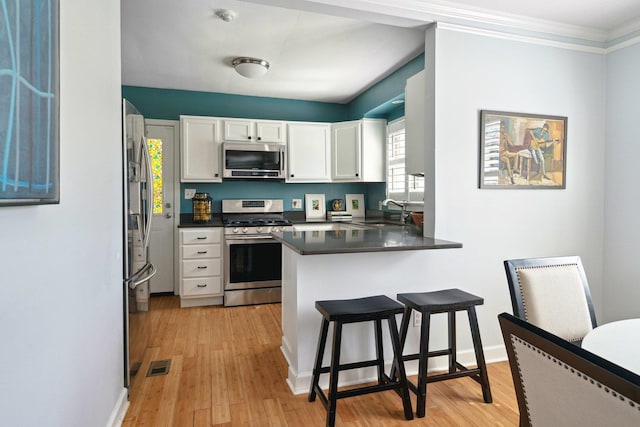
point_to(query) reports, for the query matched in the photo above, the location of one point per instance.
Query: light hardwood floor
(227, 370)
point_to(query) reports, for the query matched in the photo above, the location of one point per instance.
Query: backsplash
(373, 192)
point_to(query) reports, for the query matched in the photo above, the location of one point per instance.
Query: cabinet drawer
(202, 286)
(200, 251)
(200, 236)
(201, 267)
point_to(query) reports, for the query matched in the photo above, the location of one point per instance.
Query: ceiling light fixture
(250, 68)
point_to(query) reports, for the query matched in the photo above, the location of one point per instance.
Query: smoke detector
(226, 15)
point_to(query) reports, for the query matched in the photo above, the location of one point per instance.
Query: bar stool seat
(374, 308)
(445, 301)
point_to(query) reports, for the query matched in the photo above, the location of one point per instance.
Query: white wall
(61, 324)
(622, 232)
(473, 73)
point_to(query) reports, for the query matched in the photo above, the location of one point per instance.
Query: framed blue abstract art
(29, 102)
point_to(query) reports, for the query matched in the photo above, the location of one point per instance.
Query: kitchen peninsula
(346, 263)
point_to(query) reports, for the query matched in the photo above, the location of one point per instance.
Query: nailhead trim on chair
(524, 301)
(515, 339)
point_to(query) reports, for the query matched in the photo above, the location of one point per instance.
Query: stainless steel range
(253, 258)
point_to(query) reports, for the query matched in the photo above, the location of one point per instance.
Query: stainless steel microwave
(254, 160)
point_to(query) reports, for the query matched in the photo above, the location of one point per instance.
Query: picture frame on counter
(315, 206)
(355, 205)
(522, 151)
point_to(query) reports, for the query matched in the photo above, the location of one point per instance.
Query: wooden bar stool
(374, 308)
(446, 301)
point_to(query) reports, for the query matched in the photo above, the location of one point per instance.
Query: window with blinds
(400, 186)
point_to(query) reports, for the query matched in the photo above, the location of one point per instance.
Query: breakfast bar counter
(361, 239)
(323, 264)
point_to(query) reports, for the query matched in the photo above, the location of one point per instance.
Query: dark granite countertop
(186, 221)
(369, 238)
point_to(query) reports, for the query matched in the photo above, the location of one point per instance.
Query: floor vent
(159, 367)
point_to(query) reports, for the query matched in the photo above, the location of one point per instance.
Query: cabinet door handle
(292, 175)
(202, 238)
(201, 286)
(202, 252)
(202, 267)
(249, 137)
(259, 138)
(356, 174)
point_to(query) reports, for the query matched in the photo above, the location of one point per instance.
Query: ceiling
(321, 50)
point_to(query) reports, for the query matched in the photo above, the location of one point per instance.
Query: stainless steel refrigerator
(137, 214)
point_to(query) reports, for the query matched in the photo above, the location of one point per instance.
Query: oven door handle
(245, 238)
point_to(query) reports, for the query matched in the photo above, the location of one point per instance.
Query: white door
(162, 138)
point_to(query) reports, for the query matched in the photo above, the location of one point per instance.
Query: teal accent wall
(169, 104)
(373, 192)
(376, 101)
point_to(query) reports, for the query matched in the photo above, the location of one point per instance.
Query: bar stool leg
(333, 374)
(421, 393)
(379, 351)
(477, 345)
(404, 326)
(452, 342)
(322, 340)
(397, 357)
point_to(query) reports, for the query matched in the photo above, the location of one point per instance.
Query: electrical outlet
(296, 204)
(417, 318)
(189, 193)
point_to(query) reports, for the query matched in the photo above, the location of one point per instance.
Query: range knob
(236, 229)
(259, 229)
(245, 229)
(275, 229)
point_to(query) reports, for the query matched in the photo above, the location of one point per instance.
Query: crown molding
(455, 13)
(489, 22)
(426, 12)
(622, 44)
(521, 38)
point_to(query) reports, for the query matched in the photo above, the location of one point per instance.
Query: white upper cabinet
(345, 151)
(200, 149)
(374, 148)
(351, 151)
(308, 151)
(358, 150)
(254, 131)
(415, 123)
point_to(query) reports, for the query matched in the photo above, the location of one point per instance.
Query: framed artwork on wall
(315, 206)
(29, 90)
(522, 151)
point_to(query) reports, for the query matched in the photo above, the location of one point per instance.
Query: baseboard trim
(120, 410)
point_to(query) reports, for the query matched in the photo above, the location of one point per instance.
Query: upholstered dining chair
(553, 294)
(560, 384)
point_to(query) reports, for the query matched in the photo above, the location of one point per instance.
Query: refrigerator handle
(140, 277)
(149, 188)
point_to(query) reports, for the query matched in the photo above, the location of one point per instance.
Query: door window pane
(155, 149)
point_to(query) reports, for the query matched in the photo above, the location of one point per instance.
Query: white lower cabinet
(201, 278)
